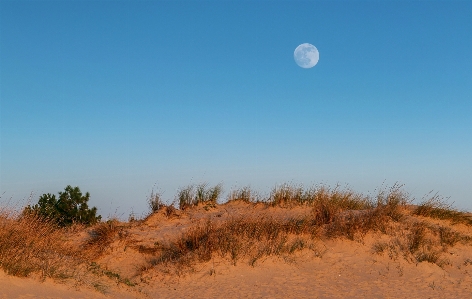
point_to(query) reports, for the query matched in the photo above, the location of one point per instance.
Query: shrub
(70, 208)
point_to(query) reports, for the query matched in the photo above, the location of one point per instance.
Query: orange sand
(339, 269)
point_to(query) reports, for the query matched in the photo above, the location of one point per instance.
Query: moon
(306, 55)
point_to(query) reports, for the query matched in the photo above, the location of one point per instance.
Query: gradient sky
(120, 97)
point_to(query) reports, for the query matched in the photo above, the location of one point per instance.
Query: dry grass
(435, 207)
(31, 244)
(244, 194)
(288, 195)
(333, 214)
(235, 239)
(101, 236)
(201, 194)
(170, 211)
(155, 202)
(418, 241)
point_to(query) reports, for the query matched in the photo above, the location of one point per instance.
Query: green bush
(70, 208)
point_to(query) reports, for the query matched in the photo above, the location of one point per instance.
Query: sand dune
(330, 267)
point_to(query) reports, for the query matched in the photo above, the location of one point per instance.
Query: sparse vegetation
(102, 235)
(39, 240)
(245, 194)
(435, 207)
(379, 247)
(236, 239)
(33, 244)
(171, 211)
(97, 270)
(155, 202)
(194, 195)
(288, 195)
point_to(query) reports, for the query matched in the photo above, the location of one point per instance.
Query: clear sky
(120, 97)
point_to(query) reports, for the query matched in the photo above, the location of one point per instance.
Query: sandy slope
(347, 269)
(339, 268)
(14, 287)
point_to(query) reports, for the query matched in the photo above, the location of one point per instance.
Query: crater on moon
(306, 55)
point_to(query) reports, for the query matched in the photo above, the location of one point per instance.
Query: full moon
(306, 55)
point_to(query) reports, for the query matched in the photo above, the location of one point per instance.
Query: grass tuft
(155, 202)
(435, 207)
(245, 194)
(201, 194)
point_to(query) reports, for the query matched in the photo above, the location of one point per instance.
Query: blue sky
(120, 97)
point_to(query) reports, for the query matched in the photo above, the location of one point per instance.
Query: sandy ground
(340, 268)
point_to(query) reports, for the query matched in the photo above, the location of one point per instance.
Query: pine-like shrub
(71, 207)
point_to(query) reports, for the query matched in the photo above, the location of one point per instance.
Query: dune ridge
(314, 243)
